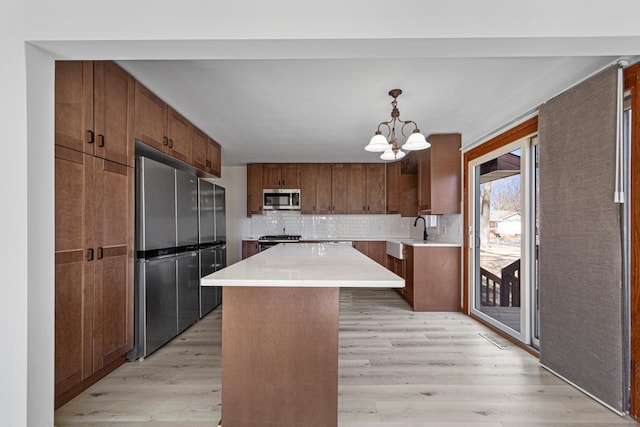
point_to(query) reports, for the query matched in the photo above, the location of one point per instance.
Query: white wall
(26, 107)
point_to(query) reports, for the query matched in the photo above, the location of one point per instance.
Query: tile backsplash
(441, 228)
(448, 229)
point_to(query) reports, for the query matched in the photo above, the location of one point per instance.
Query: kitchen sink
(394, 248)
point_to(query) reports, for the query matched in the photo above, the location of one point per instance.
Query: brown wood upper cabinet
(160, 126)
(308, 191)
(402, 186)
(319, 184)
(285, 175)
(439, 175)
(339, 188)
(254, 189)
(94, 103)
(214, 158)
(366, 188)
(206, 154)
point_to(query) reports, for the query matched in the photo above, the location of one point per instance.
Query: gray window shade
(580, 241)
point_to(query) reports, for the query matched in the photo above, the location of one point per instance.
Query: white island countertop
(306, 265)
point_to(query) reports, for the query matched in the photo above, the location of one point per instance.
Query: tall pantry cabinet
(94, 222)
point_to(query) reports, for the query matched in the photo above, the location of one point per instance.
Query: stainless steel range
(265, 242)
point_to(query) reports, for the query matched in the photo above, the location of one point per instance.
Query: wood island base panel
(280, 357)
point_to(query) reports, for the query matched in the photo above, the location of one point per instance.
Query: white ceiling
(326, 110)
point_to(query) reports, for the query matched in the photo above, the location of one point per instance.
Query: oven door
(263, 246)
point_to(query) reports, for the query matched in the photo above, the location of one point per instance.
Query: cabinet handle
(89, 137)
(90, 254)
(165, 141)
(208, 162)
(100, 252)
(100, 140)
(367, 208)
(364, 208)
(170, 143)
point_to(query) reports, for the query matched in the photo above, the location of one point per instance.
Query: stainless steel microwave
(281, 199)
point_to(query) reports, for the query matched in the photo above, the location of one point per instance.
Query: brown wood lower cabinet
(374, 249)
(249, 248)
(432, 278)
(94, 217)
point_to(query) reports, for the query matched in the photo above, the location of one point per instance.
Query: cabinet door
(249, 248)
(254, 189)
(113, 296)
(424, 181)
(407, 294)
(271, 176)
(199, 147)
(214, 158)
(408, 195)
(377, 251)
(74, 105)
(445, 173)
(150, 118)
(375, 188)
(114, 99)
(308, 188)
(339, 188)
(74, 264)
(361, 246)
(393, 187)
(290, 173)
(356, 188)
(179, 136)
(323, 188)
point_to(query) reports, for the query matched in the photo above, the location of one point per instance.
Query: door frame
(516, 133)
(632, 84)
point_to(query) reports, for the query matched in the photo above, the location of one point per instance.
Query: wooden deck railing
(503, 291)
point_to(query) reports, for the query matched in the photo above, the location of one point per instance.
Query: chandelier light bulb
(416, 141)
(378, 143)
(390, 155)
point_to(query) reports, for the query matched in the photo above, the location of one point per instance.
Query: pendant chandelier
(388, 145)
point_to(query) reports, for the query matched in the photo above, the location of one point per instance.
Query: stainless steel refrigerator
(213, 240)
(167, 281)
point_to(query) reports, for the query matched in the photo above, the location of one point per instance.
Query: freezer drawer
(211, 260)
(188, 290)
(158, 301)
(208, 300)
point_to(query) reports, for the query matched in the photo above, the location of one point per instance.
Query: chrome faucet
(415, 224)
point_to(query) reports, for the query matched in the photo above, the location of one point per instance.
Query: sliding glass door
(503, 229)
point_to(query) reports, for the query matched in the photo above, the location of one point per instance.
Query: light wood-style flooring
(397, 369)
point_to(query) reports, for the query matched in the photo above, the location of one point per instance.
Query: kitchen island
(280, 332)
